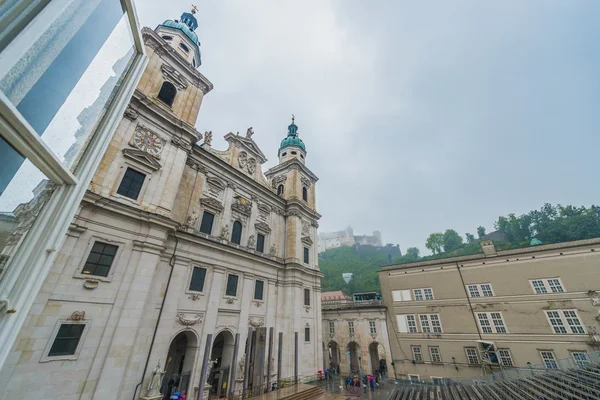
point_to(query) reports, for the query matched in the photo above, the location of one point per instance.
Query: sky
(417, 116)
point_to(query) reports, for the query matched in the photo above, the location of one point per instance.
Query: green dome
(184, 28)
(292, 139)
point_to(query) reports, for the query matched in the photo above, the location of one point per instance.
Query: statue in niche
(273, 250)
(192, 219)
(208, 138)
(155, 382)
(251, 241)
(249, 133)
(211, 364)
(241, 366)
(224, 232)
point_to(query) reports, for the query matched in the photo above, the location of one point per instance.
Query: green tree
(480, 231)
(412, 254)
(452, 240)
(435, 242)
(470, 237)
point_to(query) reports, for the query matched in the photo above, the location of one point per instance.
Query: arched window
(167, 93)
(184, 47)
(304, 193)
(236, 233)
(280, 190)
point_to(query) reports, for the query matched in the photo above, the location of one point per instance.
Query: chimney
(488, 248)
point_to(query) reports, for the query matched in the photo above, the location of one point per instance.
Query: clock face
(148, 142)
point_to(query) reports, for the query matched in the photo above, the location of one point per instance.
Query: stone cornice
(296, 206)
(154, 41)
(169, 123)
(291, 164)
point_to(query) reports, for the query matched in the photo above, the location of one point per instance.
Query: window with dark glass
(232, 284)
(236, 232)
(184, 47)
(100, 259)
(166, 37)
(260, 243)
(167, 93)
(306, 260)
(198, 277)
(304, 194)
(258, 290)
(131, 184)
(307, 297)
(307, 334)
(280, 190)
(66, 340)
(207, 222)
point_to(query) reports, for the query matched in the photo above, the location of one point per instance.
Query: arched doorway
(180, 361)
(374, 356)
(334, 355)
(354, 354)
(221, 354)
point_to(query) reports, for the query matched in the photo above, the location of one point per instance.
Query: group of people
(353, 383)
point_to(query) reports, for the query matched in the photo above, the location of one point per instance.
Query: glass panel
(207, 222)
(260, 243)
(66, 340)
(258, 290)
(232, 282)
(63, 83)
(23, 193)
(197, 282)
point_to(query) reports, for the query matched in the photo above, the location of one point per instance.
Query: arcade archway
(180, 361)
(354, 353)
(334, 355)
(221, 354)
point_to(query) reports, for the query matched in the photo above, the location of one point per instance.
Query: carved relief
(305, 181)
(256, 322)
(595, 297)
(130, 114)
(273, 251)
(245, 163)
(211, 203)
(78, 316)
(305, 228)
(90, 283)
(192, 219)
(278, 180)
(170, 74)
(314, 223)
(251, 165)
(224, 232)
(251, 242)
(215, 185)
(293, 213)
(264, 210)
(181, 143)
(189, 319)
(241, 205)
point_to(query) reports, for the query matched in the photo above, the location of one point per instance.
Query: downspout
(162, 306)
(469, 300)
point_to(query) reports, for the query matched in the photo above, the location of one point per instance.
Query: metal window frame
(36, 254)
(412, 350)
(554, 359)
(439, 354)
(507, 351)
(476, 354)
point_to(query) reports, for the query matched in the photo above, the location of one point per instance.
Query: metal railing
(340, 304)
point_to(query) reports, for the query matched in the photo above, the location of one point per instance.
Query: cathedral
(173, 241)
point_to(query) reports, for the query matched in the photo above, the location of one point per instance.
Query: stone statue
(251, 241)
(273, 250)
(155, 382)
(249, 133)
(191, 220)
(241, 366)
(224, 232)
(208, 138)
(209, 368)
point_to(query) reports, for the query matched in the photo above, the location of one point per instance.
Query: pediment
(307, 241)
(142, 158)
(249, 144)
(213, 204)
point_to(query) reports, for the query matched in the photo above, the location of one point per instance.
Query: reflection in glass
(20, 204)
(64, 82)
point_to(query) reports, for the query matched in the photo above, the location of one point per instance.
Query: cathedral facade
(175, 240)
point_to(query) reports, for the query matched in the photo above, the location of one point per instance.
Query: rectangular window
(495, 326)
(307, 297)
(131, 184)
(472, 357)
(581, 358)
(306, 259)
(551, 285)
(307, 334)
(430, 323)
(258, 290)
(549, 359)
(480, 289)
(100, 259)
(260, 243)
(207, 222)
(198, 277)
(417, 355)
(66, 340)
(428, 292)
(372, 327)
(413, 378)
(437, 380)
(561, 319)
(351, 327)
(505, 358)
(412, 323)
(418, 294)
(436, 356)
(232, 285)
(331, 328)
(401, 295)
(423, 294)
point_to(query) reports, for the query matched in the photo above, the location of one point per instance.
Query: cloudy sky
(417, 116)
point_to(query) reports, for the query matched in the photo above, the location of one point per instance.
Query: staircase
(311, 392)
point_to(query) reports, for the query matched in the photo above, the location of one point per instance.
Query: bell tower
(294, 182)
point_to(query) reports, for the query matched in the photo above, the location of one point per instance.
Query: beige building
(174, 241)
(467, 316)
(355, 334)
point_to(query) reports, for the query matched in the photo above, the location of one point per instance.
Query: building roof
(187, 24)
(337, 295)
(292, 139)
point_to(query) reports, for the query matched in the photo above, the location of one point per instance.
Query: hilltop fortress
(331, 240)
